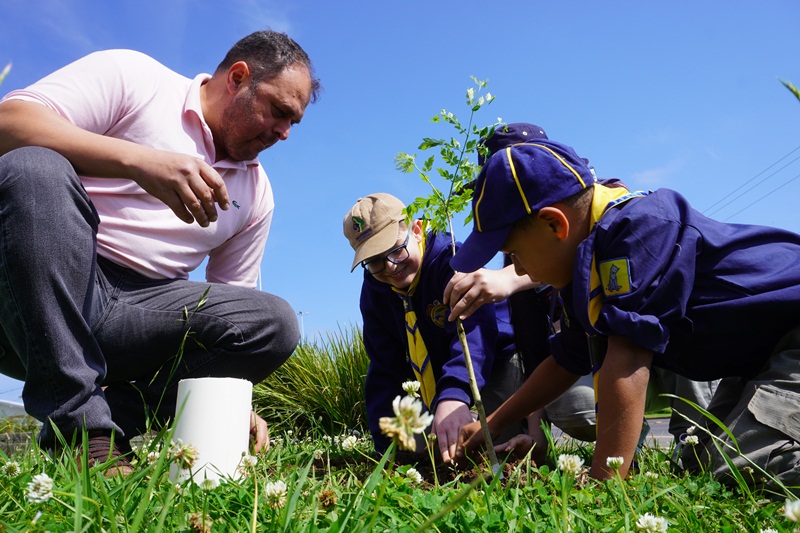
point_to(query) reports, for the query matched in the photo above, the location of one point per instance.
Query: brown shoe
(100, 452)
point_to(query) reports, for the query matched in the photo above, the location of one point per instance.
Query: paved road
(659, 433)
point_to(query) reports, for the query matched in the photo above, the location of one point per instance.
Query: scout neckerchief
(417, 352)
(603, 200)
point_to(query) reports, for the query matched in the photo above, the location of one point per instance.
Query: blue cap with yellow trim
(515, 182)
(508, 134)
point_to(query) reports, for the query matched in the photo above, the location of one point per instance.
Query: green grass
(350, 491)
(320, 386)
(336, 484)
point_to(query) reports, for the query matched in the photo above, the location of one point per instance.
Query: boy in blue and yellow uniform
(406, 332)
(648, 281)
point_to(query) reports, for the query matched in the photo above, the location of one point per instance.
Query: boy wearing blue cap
(647, 281)
(574, 411)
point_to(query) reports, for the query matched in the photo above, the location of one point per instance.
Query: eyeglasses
(395, 256)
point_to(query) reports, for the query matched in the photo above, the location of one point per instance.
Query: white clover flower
(249, 461)
(614, 462)
(414, 476)
(209, 484)
(692, 440)
(275, 494)
(184, 454)
(349, 444)
(200, 522)
(690, 430)
(40, 488)
(318, 454)
(768, 530)
(570, 464)
(326, 438)
(411, 388)
(407, 421)
(11, 469)
(152, 457)
(650, 475)
(792, 510)
(651, 524)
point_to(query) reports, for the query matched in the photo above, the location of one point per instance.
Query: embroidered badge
(615, 276)
(358, 224)
(437, 312)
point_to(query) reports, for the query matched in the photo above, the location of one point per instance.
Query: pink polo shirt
(128, 95)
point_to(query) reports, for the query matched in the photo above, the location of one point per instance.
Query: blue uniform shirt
(709, 299)
(489, 336)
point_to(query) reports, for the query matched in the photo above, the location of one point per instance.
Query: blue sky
(684, 95)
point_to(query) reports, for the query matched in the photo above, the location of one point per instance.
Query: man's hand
(187, 185)
(465, 293)
(450, 416)
(259, 433)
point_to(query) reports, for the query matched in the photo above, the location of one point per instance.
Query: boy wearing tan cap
(406, 332)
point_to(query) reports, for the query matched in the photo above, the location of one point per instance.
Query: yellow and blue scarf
(418, 354)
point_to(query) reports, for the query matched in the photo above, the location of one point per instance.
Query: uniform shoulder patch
(437, 312)
(615, 276)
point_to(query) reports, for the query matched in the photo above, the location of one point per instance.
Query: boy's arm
(547, 382)
(622, 389)
(465, 293)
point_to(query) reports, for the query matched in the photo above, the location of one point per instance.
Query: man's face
(256, 118)
(536, 252)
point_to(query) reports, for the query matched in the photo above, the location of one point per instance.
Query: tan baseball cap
(373, 225)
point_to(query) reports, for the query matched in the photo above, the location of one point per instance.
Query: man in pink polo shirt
(118, 178)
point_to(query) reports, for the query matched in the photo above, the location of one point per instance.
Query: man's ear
(238, 75)
(556, 221)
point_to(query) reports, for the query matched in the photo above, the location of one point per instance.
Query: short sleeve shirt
(130, 96)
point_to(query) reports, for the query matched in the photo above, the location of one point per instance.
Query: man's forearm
(31, 124)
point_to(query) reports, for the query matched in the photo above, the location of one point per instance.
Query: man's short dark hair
(268, 53)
